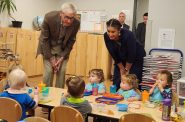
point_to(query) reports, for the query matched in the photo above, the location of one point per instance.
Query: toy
(109, 101)
(134, 105)
(87, 93)
(113, 89)
(113, 96)
(41, 85)
(122, 107)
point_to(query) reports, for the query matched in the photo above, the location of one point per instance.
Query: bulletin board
(92, 20)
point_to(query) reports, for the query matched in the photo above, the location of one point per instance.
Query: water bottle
(145, 96)
(113, 89)
(166, 109)
(95, 89)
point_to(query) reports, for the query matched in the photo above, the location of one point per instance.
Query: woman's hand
(124, 72)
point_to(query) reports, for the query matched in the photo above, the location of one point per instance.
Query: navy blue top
(23, 99)
(126, 49)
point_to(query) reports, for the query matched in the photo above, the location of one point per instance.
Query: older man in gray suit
(57, 38)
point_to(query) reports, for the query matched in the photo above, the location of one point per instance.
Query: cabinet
(7, 48)
(26, 48)
(89, 52)
(23, 43)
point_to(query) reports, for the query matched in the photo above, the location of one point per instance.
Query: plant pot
(17, 24)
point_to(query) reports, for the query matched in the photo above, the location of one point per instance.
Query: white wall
(142, 7)
(112, 7)
(166, 14)
(27, 10)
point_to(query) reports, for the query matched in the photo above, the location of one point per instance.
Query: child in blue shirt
(96, 76)
(128, 88)
(162, 88)
(17, 81)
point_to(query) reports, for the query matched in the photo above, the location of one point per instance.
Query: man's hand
(52, 61)
(58, 64)
(59, 61)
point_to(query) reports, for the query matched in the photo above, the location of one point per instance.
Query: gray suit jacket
(50, 32)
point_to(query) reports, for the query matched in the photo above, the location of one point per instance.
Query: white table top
(104, 110)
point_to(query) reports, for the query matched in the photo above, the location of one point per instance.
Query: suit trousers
(49, 74)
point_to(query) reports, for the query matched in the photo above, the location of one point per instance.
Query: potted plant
(9, 6)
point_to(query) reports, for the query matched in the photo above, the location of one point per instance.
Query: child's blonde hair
(132, 80)
(99, 73)
(16, 76)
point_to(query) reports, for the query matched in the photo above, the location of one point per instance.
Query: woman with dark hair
(125, 50)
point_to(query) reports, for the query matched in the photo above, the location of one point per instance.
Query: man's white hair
(68, 8)
(16, 76)
(123, 12)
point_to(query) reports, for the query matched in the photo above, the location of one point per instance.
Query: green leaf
(7, 5)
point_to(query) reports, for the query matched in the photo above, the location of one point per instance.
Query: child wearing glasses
(96, 76)
(128, 88)
(74, 97)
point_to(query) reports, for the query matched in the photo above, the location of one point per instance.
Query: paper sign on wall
(92, 21)
(166, 38)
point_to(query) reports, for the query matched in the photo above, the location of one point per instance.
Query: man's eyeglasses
(68, 17)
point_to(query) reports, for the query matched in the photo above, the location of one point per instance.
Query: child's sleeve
(101, 89)
(137, 95)
(88, 87)
(167, 94)
(30, 103)
(119, 92)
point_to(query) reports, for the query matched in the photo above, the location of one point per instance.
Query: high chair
(65, 114)
(10, 109)
(134, 117)
(36, 119)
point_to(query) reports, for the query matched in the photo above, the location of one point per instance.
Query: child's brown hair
(76, 86)
(99, 73)
(168, 75)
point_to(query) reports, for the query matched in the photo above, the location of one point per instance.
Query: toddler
(17, 82)
(162, 88)
(128, 87)
(96, 76)
(74, 97)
